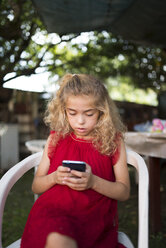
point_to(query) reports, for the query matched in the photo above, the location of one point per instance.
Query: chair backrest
(17, 171)
(11, 177)
(138, 162)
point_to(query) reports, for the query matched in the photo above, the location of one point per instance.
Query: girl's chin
(82, 134)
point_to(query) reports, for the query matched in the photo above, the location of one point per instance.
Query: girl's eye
(72, 113)
(89, 114)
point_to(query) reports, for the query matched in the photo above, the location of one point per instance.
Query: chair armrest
(138, 162)
(11, 177)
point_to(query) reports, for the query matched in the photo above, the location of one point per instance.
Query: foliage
(106, 55)
(121, 89)
(18, 23)
(26, 48)
(19, 53)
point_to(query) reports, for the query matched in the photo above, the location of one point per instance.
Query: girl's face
(82, 115)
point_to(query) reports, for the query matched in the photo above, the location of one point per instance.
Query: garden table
(35, 145)
(152, 145)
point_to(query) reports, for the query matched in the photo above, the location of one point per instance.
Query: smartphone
(74, 165)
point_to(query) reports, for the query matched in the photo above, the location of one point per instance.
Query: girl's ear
(100, 114)
(65, 115)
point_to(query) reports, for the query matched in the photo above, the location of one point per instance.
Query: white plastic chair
(138, 162)
(17, 171)
(7, 182)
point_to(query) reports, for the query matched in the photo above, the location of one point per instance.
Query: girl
(79, 209)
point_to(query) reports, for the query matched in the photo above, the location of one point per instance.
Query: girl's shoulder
(116, 154)
(53, 139)
(52, 132)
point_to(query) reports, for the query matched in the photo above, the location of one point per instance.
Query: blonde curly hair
(109, 126)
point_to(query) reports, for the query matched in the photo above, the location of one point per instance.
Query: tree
(20, 52)
(18, 23)
(102, 54)
(106, 55)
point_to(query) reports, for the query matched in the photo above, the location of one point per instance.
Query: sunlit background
(119, 87)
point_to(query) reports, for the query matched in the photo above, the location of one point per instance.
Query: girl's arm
(43, 181)
(118, 190)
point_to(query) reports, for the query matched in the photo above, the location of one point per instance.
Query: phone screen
(74, 165)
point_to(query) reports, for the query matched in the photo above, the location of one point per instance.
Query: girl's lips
(81, 129)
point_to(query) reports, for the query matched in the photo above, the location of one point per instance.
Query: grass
(18, 205)
(21, 199)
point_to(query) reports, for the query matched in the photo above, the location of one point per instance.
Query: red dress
(86, 216)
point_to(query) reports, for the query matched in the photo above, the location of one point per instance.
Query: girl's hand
(79, 180)
(61, 173)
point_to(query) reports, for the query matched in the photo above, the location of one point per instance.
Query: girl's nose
(81, 119)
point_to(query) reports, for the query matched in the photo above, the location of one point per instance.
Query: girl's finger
(63, 169)
(74, 180)
(74, 186)
(77, 173)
